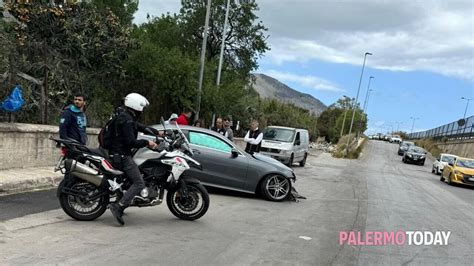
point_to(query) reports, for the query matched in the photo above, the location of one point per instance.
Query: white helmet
(136, 102)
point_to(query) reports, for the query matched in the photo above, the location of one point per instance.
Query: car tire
(303, 162)
(433, 171)
(449, 180)
(441, 178)
(271, 183)
(422, 163)
(403, 160)
(290, 162)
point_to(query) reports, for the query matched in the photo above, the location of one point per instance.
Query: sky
(422, 54)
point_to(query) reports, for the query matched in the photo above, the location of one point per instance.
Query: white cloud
(403, 35)
(307, 81)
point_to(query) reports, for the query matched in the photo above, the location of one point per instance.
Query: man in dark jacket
(219, 128)
(253, 138)
(73, 121)
(125, 140)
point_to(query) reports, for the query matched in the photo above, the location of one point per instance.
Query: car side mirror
(235, 153)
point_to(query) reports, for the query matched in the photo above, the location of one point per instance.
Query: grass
(353, 153)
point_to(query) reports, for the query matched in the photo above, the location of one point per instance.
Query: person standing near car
(73, 122)
(219, 128)
(184, 117)
(228, 131)
(124, 140)
(253, 138)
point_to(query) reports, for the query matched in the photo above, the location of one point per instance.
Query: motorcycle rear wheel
(78, 207)
(191, 207)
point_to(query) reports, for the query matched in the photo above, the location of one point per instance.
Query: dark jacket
(127, 129)
(73, 124)
(251, 148)
(219, 130)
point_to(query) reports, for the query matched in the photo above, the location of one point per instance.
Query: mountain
(268, 87)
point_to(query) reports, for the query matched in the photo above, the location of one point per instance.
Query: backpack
(109, 131)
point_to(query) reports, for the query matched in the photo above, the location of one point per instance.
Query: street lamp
(355, 102)
(467, 104)
(413, 125)
(203, 58)
(365, 104)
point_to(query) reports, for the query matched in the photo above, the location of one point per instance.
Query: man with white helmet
(124, 140)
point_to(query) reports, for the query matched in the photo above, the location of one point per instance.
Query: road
(375, 193)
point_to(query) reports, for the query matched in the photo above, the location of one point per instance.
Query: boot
(117, 212)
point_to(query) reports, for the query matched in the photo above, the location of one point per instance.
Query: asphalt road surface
(375, 193)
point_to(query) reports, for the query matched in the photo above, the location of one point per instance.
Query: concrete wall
(28, 145)
(463, 148)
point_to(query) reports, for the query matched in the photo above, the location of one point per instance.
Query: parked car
(286, 144)
(404, 145)
(227, 166)
(395, 139)
(459, 170)
(441, 161)
(414, 154)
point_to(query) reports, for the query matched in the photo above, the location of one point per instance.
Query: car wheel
(290, 162)
(422, 163)
(433, 171)
(449, 180)
(275, 187)
(403, 160)
(441, 178)
(302, 163)
(437, 171)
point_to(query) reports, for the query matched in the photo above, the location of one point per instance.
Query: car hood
(276, 144)
(465, 171)
(416, 153)
(273, 162)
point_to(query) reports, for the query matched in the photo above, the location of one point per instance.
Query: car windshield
(447, 159)
(465, 163)
(416, 150)
(279, 134)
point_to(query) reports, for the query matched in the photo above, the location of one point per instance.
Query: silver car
(227, 166)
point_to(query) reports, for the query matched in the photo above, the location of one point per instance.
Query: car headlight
(409, 155)
(286, 151)
(456, 172)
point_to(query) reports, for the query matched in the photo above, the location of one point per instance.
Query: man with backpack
(119, 136)
(73, 122)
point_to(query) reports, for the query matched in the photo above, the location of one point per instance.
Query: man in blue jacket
(73, 121)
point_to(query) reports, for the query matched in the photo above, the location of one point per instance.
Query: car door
(298, 147)
(220, 168)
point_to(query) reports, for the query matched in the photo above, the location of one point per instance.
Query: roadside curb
(23, 185)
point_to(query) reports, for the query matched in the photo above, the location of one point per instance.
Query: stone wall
(463, 148)
(28, 145)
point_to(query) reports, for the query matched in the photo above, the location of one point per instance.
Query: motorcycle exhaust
(83, 172)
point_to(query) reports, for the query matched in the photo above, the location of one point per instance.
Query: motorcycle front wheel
(78, 207)
(190, 207)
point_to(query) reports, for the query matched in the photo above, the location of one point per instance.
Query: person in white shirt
(253, 138)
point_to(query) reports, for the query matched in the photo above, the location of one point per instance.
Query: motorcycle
(90, 181)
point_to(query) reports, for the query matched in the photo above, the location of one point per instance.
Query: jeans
(129, 167)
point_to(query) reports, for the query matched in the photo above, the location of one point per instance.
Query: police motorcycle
(90, 182)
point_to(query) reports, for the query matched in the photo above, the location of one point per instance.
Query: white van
(286, 144)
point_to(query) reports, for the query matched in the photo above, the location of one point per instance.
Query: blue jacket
(73, 124)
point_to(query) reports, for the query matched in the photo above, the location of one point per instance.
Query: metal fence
(451, 131)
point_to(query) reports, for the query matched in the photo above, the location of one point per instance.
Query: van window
(278, 134)
(298, 138)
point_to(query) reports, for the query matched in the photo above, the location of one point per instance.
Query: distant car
(404, 145)
(414, 154)
(395, 139)
(459, 170)
(440, 162)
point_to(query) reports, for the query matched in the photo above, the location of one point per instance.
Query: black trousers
(130, 168)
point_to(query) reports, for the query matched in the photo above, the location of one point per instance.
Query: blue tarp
(14, 101)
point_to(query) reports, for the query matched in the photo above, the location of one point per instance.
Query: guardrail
(451, 131)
